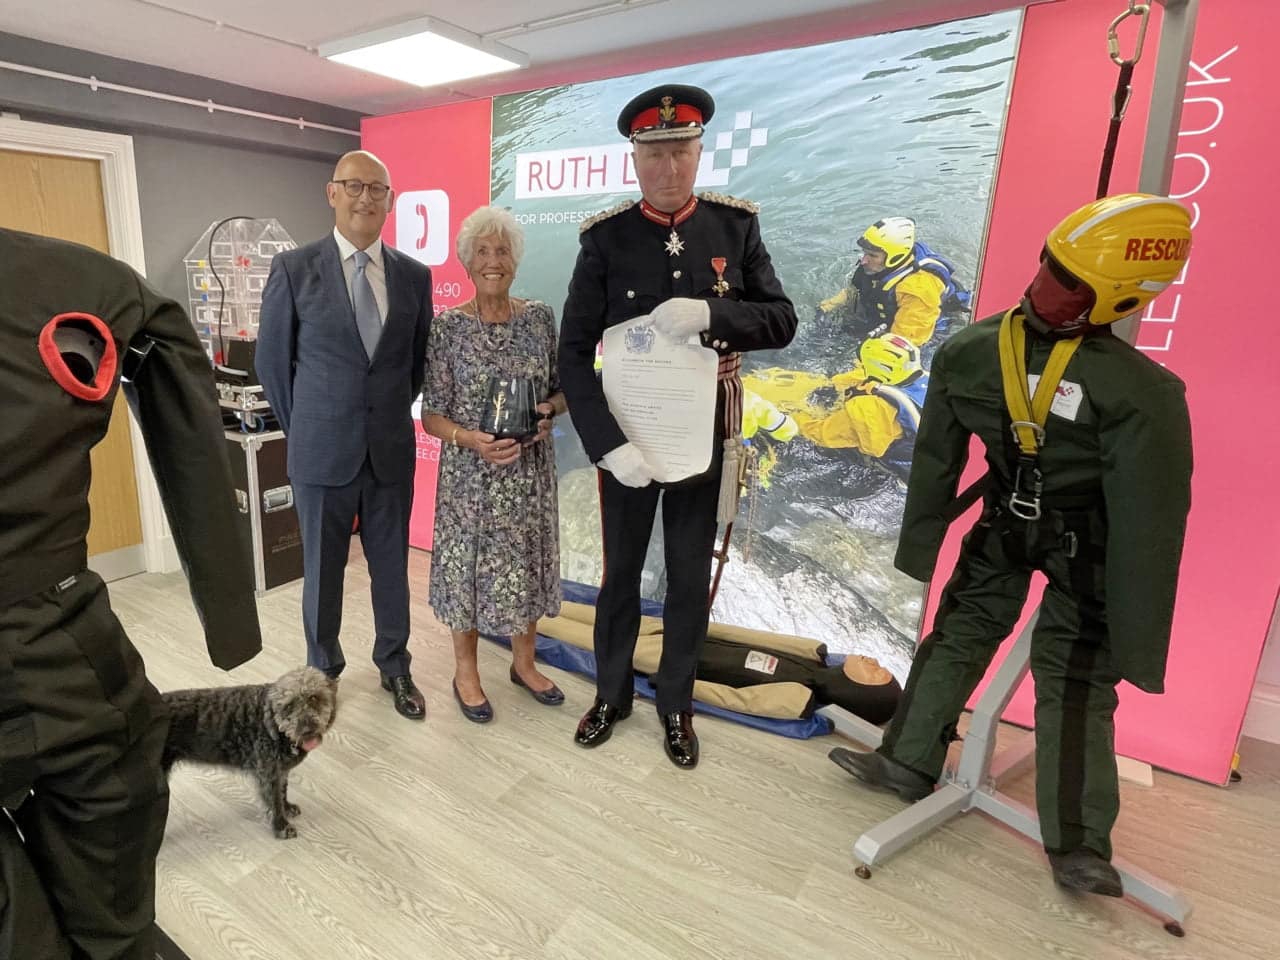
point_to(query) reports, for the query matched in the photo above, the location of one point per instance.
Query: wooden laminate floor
(447, 839)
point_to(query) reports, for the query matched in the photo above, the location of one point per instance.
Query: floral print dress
(495, 565)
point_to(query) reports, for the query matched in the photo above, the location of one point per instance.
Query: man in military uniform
(81, 728)
(695, 265)
(1090, 485)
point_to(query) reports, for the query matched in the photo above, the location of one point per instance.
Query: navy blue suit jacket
(335, 404)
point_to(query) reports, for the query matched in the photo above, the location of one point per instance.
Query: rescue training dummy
(81, 727)
(859, 684)
(1090, 485)
(753, 672)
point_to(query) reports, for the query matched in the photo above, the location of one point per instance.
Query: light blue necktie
(368, 320)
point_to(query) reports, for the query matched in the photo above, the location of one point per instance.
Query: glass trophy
(510, 410)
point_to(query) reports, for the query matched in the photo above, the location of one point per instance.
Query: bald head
(359, 218)
(358, 163)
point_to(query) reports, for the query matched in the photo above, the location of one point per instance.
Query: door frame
(114, 153)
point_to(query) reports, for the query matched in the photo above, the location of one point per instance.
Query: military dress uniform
(633, 258)
(1116, 467)
(81, 728)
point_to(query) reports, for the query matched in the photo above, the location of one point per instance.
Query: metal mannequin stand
(971, 785)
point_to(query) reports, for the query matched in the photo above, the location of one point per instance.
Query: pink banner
(439, 163)
(1205, 329)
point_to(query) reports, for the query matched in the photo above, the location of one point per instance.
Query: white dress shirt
(374, 270)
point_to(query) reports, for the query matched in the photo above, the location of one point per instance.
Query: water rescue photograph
(872, 161)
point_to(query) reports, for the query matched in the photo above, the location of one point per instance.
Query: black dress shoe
(550, 698)
(879, 772)
(596, 725)
(679, 740)
(408, 698)
(480, 713)
(1083, 871)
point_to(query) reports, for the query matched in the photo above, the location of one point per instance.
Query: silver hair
(488, 222)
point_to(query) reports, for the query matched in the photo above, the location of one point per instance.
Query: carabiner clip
(1024, 509)
(1024, 502)
(1143, 12)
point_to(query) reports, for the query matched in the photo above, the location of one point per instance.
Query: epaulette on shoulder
(591, 221)
(723, 198)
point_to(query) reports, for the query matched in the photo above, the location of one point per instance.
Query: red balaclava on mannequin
(1058, 300)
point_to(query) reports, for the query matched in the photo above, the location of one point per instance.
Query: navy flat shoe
(550, 698)
(481, 713)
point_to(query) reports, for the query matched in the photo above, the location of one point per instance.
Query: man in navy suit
(341, 356)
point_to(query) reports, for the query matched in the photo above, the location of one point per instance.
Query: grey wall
(40, 97)
(184, 186)
(193, 167)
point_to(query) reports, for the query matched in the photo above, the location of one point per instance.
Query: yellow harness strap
(1029, 413)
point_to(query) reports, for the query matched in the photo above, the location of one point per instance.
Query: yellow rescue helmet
(1126, 249)
(890, 359)
(893, 236)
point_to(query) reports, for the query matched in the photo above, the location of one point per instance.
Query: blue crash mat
(565, 656)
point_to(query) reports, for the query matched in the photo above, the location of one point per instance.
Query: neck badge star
(675, 246)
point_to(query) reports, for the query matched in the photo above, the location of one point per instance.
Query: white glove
(627, 465)
(680, 317)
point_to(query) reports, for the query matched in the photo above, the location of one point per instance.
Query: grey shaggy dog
(266, 729)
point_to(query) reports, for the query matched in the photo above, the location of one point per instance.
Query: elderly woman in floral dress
(496, 563)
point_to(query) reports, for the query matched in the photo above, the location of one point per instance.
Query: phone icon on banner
(422, 225)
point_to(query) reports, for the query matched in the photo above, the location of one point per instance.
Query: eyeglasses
(353, 188)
